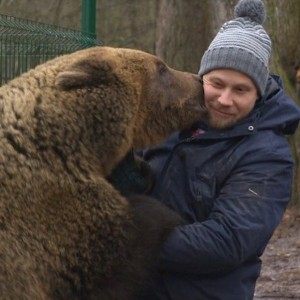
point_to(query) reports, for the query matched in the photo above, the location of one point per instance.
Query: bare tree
(183, 31)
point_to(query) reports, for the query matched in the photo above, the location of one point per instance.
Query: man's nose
(225, 97)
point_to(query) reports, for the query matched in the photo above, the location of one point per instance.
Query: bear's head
(145, 98)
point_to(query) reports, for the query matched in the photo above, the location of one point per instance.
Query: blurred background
(178, 31)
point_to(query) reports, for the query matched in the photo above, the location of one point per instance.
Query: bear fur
(65, 231)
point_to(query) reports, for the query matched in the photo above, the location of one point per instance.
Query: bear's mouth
(196, 106)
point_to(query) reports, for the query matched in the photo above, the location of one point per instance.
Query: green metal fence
(25, 44)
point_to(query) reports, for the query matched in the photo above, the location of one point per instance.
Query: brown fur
(65, 232)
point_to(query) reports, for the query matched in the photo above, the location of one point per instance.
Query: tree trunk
(182, 32)
(283, 25)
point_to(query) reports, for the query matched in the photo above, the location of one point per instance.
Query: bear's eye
(162, 68)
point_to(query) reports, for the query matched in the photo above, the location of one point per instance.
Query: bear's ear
(85, 73)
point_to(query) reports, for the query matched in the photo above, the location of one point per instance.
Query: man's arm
(243, 218)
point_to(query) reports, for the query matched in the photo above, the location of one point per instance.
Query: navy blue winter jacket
(232, 187)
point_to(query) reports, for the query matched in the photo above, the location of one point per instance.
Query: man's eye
(240, 90)
(214, 83)
(217, 85)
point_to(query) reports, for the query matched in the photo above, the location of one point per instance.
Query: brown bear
(65, 231)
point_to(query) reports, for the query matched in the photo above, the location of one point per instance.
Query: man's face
(229, 97)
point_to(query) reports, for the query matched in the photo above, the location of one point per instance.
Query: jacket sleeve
(249, 206)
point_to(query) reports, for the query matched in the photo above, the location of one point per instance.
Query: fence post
(88, 18)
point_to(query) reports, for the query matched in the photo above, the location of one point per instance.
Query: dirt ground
(280, 276)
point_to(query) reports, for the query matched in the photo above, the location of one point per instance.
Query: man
(230, 177)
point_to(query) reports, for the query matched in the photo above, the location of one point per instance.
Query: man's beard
(218, 123)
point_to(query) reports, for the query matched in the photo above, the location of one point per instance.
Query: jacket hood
(273, 111)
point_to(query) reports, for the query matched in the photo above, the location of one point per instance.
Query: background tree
(183, 31)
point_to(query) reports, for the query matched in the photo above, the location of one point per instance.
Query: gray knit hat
(242, 44)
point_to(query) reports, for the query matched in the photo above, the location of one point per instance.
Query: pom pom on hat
(242, 44)
(253, 9)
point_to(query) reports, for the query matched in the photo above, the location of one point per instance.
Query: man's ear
(85, 73)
